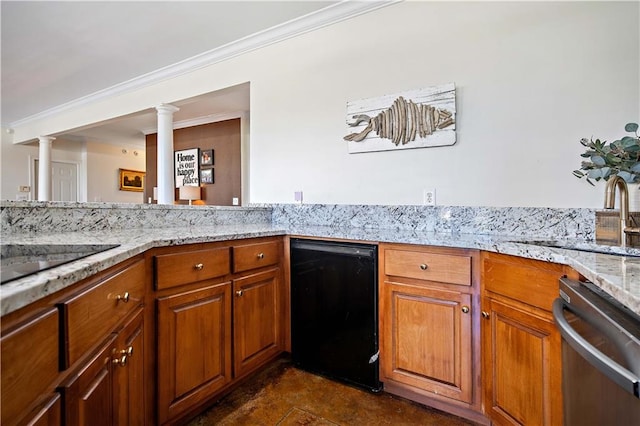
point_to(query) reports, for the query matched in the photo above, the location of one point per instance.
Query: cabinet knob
(260, 255)
(423, 266)
(124, 297)
(121, 361)
(465, 309)
(485, 315)
(239, 293)
(127, 352)
(199, 266)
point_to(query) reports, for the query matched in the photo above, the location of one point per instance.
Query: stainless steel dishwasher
(334, 310)
(600, 357)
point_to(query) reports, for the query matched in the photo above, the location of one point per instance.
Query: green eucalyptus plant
(619, 158)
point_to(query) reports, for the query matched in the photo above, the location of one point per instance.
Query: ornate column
(44, 168)
(166, 185)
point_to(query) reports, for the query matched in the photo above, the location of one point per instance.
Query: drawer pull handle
(239, 293)
(423, 266)
(124, 297)
(260, 255)
(485, 315)
(199, 266)
(465, 309)
(127, 352)
(121, 361)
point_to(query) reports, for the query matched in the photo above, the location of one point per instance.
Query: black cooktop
(21, 260)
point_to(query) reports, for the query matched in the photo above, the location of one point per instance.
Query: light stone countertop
(619, 276)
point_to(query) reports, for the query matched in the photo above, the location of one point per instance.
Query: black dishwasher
(334, 310)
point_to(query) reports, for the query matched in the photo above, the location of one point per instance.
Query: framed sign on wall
(187, 167)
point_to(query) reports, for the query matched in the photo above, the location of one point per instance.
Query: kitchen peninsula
(146, 233)
(140, 227)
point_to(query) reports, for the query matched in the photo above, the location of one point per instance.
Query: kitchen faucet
(609, 203)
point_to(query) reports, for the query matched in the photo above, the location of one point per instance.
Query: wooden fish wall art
(420, 118)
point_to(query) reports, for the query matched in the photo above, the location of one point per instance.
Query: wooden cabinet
(89, 315)
(194, 341)
(130, 372)
(108, 388)
(76, 357)
(89, 395)
(46, 413)
(256, 320)
(218, 326)
(428, 339)
(429, 320)
(522, 377)
(30, 359)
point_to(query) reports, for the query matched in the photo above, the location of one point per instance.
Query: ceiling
(58, 52)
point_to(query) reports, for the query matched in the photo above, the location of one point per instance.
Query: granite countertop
(619, 276)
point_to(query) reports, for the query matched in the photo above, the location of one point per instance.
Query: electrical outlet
(429, 197)
(297, 196)
(235, 201)
(24, 188)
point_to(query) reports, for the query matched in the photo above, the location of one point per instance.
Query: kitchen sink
(585, 246)
(20, 260)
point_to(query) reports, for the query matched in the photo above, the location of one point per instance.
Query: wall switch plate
(24, 188)
(235, 201)
(429, 197)
(297, 196)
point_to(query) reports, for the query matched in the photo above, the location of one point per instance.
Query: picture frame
(187, 167)
(132, 180)
(206, 157)
(207, 176)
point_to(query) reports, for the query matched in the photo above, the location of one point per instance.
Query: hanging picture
(420, 118)
(187, 167)
(206, 176)
(206, 157)
(131, 180)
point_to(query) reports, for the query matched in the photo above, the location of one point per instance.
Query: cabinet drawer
(533, 282)
(29, 364)
(182, 268)
(444, 268)
(255, 256)
(91, 315)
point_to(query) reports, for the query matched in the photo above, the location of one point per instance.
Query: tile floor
(284, 395)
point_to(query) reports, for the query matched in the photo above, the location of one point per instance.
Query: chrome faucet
(609, 203)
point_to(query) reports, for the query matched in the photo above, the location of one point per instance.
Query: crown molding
(332, 14)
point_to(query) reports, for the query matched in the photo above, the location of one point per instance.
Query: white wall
(532, 79)
(98, 168)
(18, 164)
(15, 166)
(104, 162)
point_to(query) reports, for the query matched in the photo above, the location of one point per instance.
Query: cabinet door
(256, 320)
(194, 347)
(427, 339)
(521, 375)
(129, 376)
(88, 398)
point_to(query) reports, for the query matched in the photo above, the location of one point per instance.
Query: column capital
(46, 138)
(166, 108)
